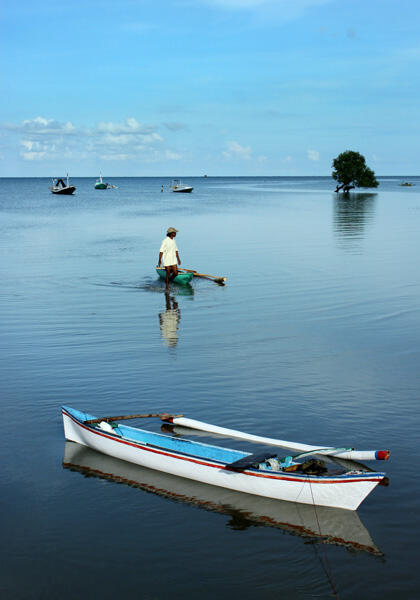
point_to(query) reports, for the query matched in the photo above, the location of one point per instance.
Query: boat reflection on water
(169, 321)
(319, 524)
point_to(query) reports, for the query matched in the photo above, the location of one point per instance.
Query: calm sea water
(315, 338)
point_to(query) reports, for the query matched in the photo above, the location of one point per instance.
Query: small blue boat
(182, 278)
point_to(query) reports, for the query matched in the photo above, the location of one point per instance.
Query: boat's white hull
(338, 492)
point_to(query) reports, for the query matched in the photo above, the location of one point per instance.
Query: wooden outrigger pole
(342, 453)
(219, 280)
(348, 454)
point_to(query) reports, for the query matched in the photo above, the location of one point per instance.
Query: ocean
(314, 338)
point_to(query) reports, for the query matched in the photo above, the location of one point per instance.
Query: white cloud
(115, 156)
(34, 150)
(28, 144)
(284, 8)
(173, 155)
(235, 150)
(33, 155)
(43, 138)
(313, 155)
(42, 126)
(129, 126)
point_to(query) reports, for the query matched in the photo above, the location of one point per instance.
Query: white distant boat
(178, 186)
(59, 187)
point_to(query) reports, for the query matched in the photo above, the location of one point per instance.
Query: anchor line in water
(324, 561)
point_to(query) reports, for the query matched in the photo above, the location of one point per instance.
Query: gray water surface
(315, 338)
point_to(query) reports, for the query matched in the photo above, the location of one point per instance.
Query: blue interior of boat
(185, 446)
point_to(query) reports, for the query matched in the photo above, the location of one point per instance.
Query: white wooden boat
(322, 525)
(262, 474)
(59, 187)
(178, 186)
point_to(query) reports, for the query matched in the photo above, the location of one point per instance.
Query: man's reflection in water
(169, 321)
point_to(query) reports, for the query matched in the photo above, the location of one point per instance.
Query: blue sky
(217, 87)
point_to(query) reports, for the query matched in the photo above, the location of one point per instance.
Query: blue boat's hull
(182, 278)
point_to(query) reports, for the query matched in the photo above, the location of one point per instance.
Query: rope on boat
(325, 564)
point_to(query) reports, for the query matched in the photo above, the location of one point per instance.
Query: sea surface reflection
(169, 321)
(321, 524)
(353, 213)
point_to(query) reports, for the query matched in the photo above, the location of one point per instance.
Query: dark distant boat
(178, 186)
(59, 187)
(407, 184)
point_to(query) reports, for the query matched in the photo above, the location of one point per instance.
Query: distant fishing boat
(406, 184)
(102, 185)
(262, 474)
(59, 187)
(178, 186)
(182, 278)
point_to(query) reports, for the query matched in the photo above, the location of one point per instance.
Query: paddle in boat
(297, 478)
(59, 187)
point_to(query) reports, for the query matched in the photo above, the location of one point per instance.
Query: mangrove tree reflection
(169, 321)
(352, 214)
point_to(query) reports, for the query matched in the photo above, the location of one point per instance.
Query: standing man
(169, 253)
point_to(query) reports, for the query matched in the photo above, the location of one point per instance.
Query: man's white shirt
(169, 250)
